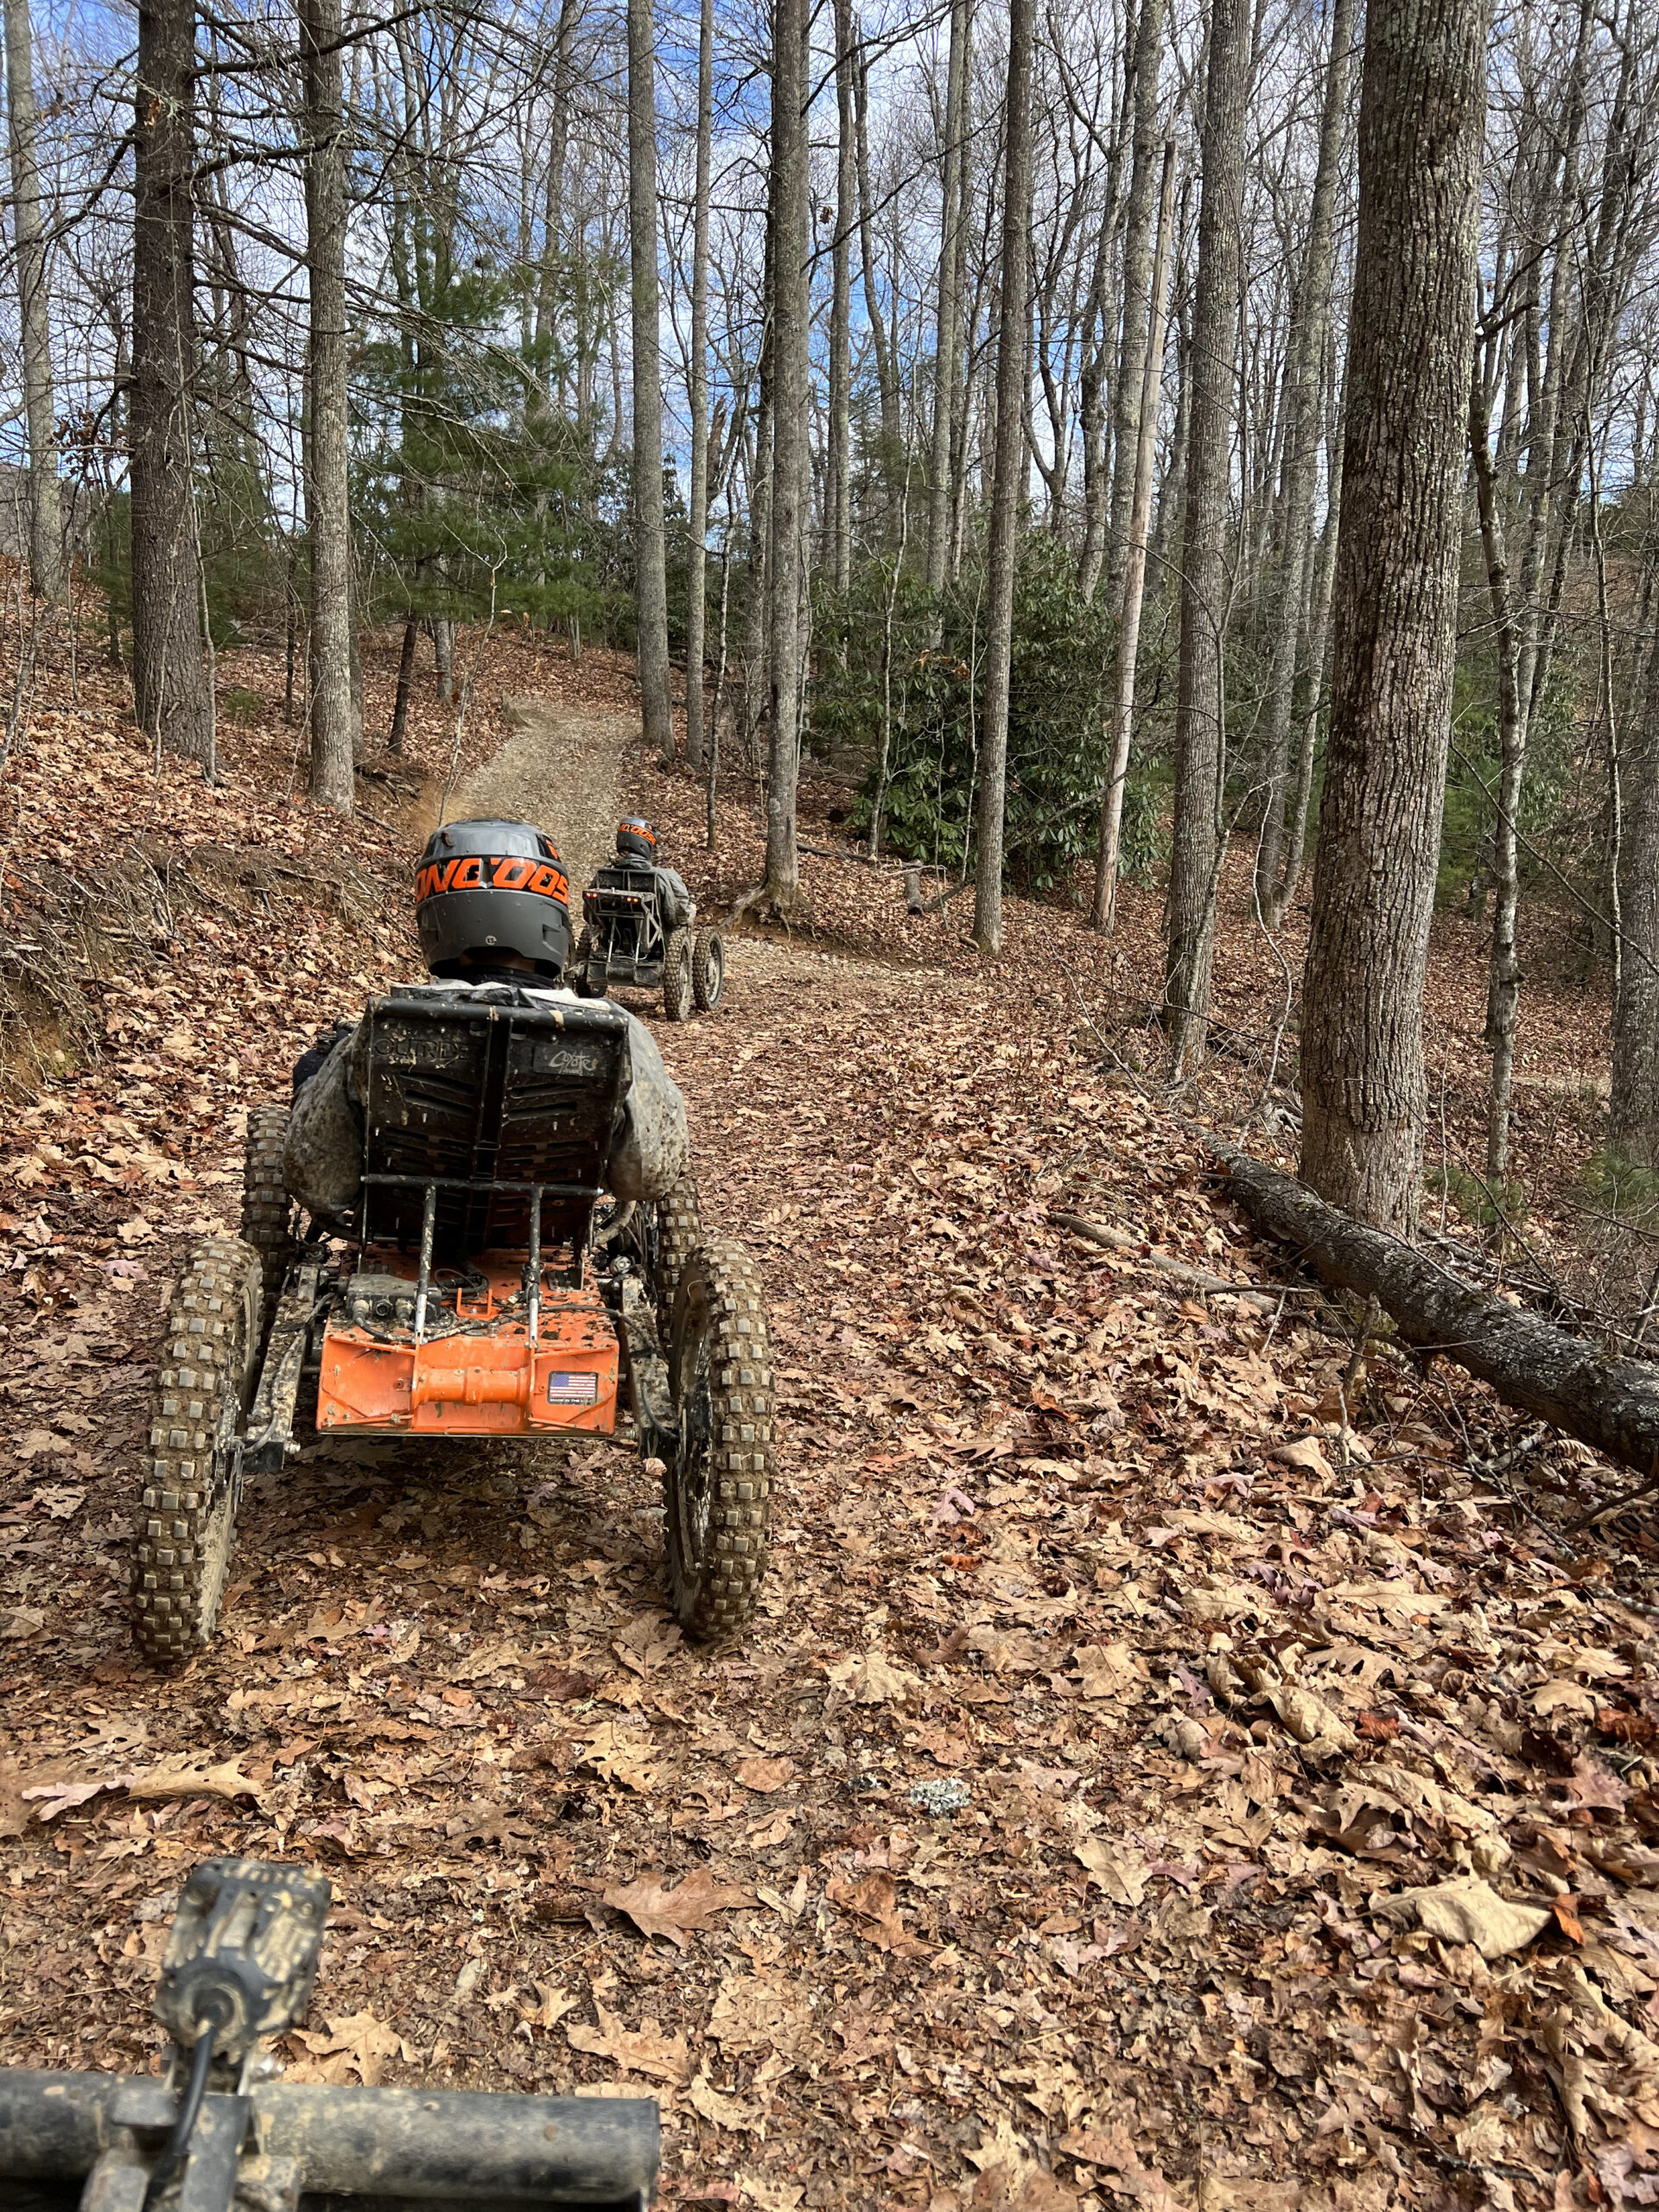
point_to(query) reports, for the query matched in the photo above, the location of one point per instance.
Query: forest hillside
(1187, 1751)
(1026, 1580)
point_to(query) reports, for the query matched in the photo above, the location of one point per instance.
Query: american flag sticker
(572, 1389)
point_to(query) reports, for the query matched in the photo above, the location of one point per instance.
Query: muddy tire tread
(182, 1549)
(678, 995)
(679, 1232)
(707, 969)
(724, 1279)
(267, 1209)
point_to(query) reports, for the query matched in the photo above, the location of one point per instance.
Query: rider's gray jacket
(323, 1159)
(680, 905)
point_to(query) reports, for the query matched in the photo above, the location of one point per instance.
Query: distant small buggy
(640, 931)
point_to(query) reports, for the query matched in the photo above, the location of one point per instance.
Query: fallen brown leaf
(764, 1776)
(646, 2050)
(657, 1911)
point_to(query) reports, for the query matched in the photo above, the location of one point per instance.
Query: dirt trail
(1022, 1899)
(559, 770)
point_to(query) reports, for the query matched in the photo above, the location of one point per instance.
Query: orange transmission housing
(483, 1378)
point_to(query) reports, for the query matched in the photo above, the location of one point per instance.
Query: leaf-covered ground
(1174, 1762)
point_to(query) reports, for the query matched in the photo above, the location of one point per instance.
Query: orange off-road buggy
(489, 1289)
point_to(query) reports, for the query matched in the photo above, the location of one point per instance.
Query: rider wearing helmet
(637, 841)
(492, 906)
(492, 898)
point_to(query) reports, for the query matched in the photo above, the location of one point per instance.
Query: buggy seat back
(486, 1098)
(622, 908)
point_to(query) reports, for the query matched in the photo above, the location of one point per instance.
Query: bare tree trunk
(400, 697)
(1008, 478)
(1134, 572)
(758, 591)
(841, 309)
(1200, 707)
(1633, 1124)
(443, 655)
(547, 287)
(171, 695)
(1503, 984)
(1310, 684)
(697, 612)
(948, 343)
(887, 380)
(791, 333)
(1137, 251)
(650, 532)
(1422, 112)
(334, 735)
(1303, 376)
(35, 309)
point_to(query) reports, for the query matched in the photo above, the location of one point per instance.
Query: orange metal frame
(487, 1381)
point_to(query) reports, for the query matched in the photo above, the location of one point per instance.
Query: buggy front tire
(267, 1209)
(678, 987)
(203, 1387)
(717, 1486)
(707, 969)
(679, 1232)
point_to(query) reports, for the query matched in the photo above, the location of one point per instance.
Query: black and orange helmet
(488, 887)
(636, 836)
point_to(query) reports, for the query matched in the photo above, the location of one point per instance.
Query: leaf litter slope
(1164, 1766)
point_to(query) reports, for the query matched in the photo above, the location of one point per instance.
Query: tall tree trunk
(1633, 1122)
(405, 676)
(948, 341)
(962, 398)
(171, 695)
(1008, 478)
(1310, 681)
(789, 335)
(35, 304)
(1135, 570)
(697, 612)
(887, 375)
(1422, 110)
(333, 733)
(1503, 982)
(1137, 251)
(1304, 377)
(839, 481)
(547, 286)
(1200, 706)
(650, 533)
(841, 308)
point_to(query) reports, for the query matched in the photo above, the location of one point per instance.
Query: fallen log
(1610, 1403)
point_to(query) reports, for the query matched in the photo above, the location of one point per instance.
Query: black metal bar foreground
(428, 2148)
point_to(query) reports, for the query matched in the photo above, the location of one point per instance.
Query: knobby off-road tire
(578, 969)
(679, 1232)
(717, 1488)
(267, 1209)
(677, 989)
(707, 969)
(203, 1386)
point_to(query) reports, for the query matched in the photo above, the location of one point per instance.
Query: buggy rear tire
(677, 983)
(203, 1387)
(267, 1209)
(707, 969)
(717, 1486)
(578, 971)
